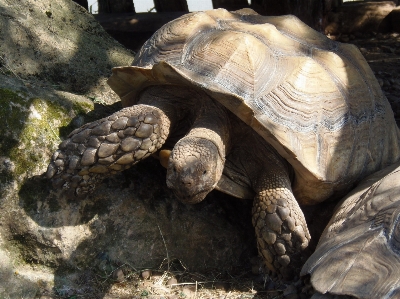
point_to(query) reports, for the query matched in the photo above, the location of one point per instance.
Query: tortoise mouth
(191, 198)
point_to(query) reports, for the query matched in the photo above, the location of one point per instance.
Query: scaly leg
(281, 229)
(107, 146)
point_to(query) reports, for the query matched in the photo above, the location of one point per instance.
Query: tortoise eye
(204, 172)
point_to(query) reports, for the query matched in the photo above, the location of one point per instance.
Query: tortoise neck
(212, 123)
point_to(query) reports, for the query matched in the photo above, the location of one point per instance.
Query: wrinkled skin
(194, 169)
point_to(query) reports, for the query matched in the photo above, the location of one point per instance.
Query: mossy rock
(33, 130)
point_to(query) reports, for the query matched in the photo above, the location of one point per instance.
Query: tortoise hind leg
(107, 146)
(281, 229)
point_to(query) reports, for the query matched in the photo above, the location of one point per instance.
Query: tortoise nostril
(186, 182)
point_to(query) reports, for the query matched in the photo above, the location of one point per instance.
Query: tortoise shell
(316, 101)
(359, 252)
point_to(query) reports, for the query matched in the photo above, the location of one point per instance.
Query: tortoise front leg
(107, 146)
(281, 229)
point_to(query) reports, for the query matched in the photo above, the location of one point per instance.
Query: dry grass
(171, 280)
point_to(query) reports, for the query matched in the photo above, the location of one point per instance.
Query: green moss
(82, 107)
(39, 131)
(33, 130)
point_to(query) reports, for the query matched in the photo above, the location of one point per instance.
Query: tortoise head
(194, 168)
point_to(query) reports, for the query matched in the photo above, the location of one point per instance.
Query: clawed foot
(107, 146)
(281, 229)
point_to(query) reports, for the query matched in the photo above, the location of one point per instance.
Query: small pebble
(146, 274)
(118, 275)
(172, 281)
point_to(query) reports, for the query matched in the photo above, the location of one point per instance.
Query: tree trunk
(312, 12)
(230, 4)
(115, 6)
(171, 5)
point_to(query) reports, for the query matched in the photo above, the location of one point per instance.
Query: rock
(146, 274)
(118, 275)
(51, 40)
(172, 281)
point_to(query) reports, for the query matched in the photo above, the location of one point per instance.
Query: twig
(165, 245)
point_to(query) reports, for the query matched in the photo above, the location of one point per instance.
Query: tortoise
(358, 254)
(261, 108)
